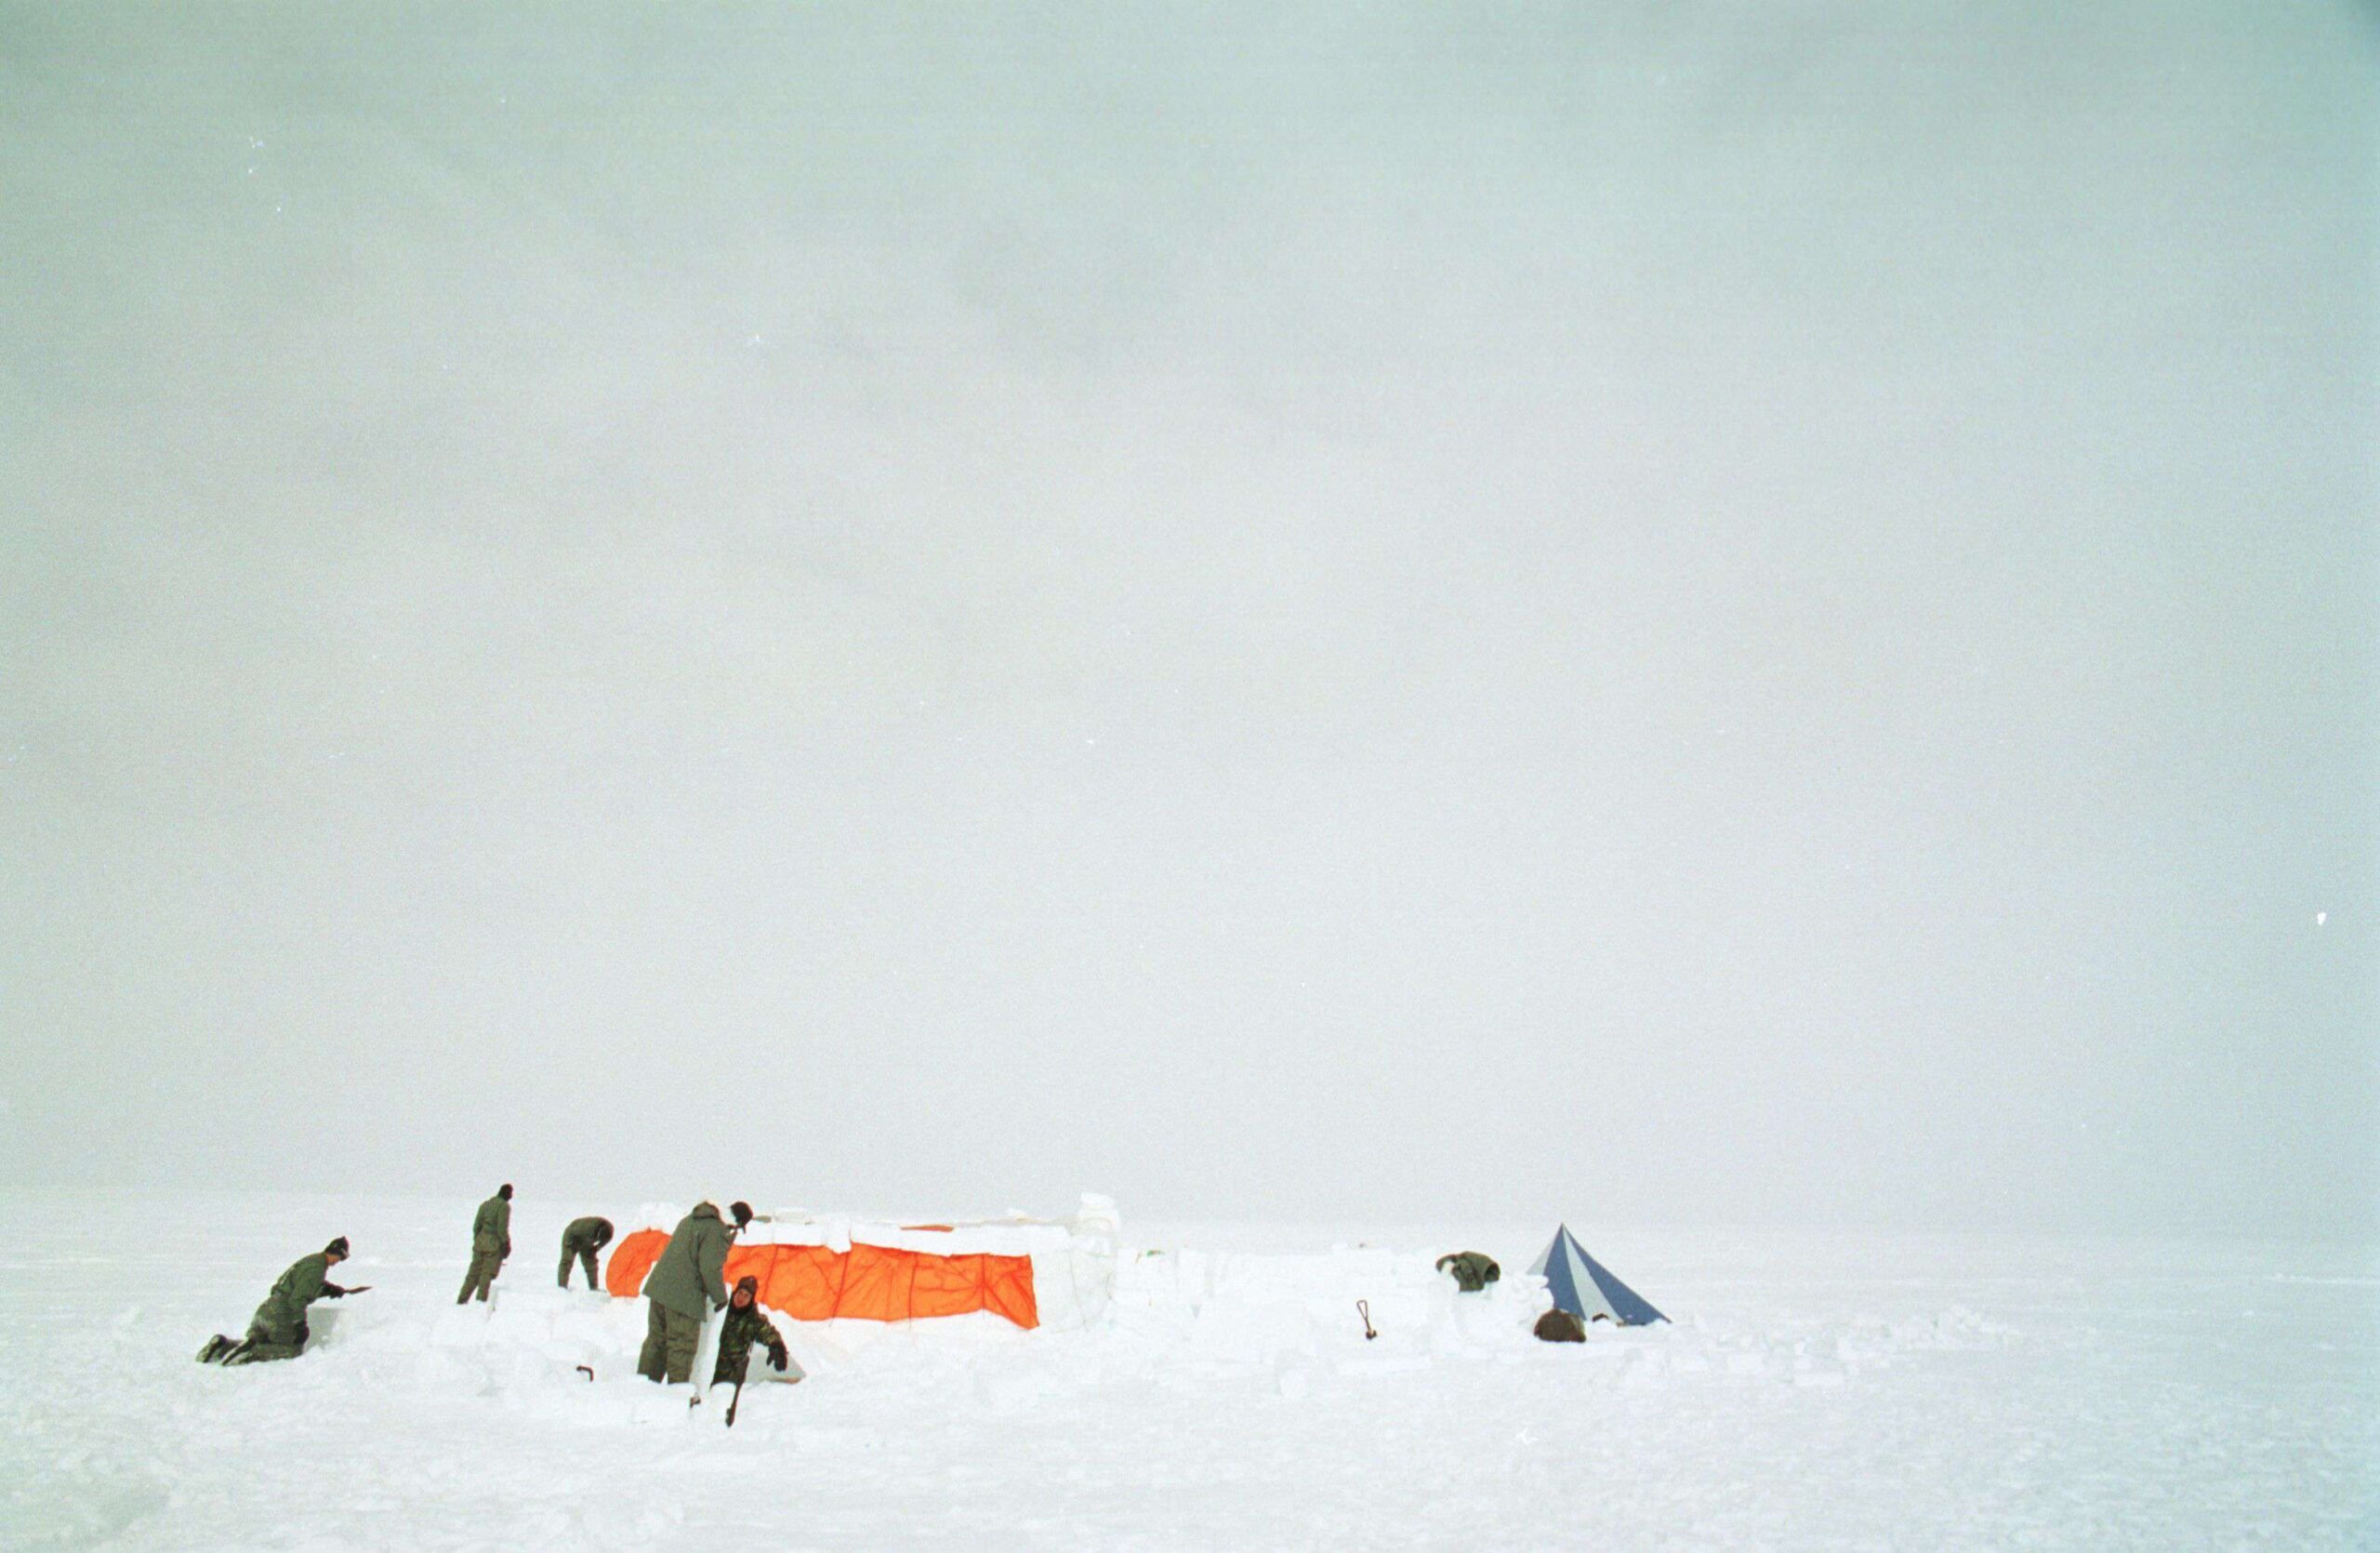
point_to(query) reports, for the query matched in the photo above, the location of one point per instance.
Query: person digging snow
(580, 1242)
(746, 1323)
(1472, 1270)
(687, 1275)
(491, 1243)
(278, 1329)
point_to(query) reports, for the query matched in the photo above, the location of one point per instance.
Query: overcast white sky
(1656, 611)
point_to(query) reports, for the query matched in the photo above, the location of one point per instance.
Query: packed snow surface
(1813, 1391)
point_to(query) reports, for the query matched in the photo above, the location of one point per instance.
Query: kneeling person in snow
(580, 1242)
(278, 1329)
(675, 1292)
(746, 1323)
(491, 1243)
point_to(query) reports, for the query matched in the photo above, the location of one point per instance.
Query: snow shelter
(1031, 1271)
(1585, 1288)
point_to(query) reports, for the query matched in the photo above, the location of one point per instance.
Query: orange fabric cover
(873, 1282)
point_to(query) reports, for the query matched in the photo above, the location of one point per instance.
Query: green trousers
(586, 1256)
(481, 1278)
(671, 1339)
(265, 1343)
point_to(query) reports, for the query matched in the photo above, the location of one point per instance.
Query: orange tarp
(873, 1282)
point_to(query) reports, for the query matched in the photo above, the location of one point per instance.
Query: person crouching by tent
(746, 1323)
(687, 1275)
(278, 1329)
(1472, 1270)
(580, 1242)
(491, 1243)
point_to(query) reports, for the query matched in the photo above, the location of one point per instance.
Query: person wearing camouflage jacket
(491, 1243)
(579, 1243)
(746, 1325)
(679, 1292)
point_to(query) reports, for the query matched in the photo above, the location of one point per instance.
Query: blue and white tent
(1585, 1288)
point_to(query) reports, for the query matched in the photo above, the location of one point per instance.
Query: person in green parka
(491, 1243)
(679, 1292)
(1472, 1270)
(278, 1329)
(580, 1242)
(746, 1325)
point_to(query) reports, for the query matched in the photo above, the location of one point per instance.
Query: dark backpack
(1560, 1326)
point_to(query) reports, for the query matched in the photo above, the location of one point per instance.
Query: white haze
(1685, 612)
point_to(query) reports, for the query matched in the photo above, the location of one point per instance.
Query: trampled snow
(1813, 1391)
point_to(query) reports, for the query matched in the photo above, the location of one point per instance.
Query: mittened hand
(776, 1363)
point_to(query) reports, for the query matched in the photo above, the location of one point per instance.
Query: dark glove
(776, 1361)
(332, 1291)
(504, 1251)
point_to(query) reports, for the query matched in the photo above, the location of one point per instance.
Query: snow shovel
(791, 1375)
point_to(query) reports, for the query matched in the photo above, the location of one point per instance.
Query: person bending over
(579, 1243)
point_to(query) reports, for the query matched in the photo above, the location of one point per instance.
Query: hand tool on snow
(1364, 1308)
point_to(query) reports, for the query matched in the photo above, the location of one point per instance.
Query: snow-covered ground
(1815, 1391)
